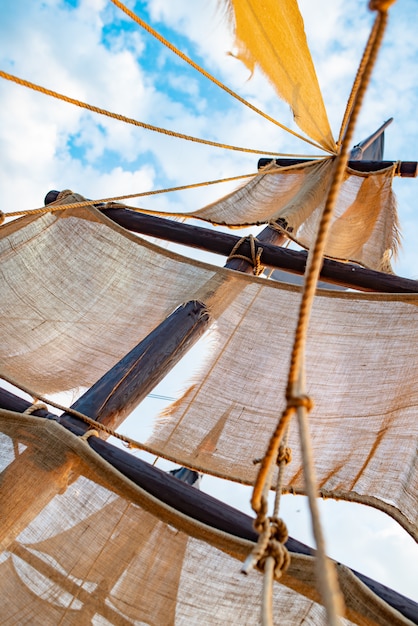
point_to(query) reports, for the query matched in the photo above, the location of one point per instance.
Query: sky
(91, 51)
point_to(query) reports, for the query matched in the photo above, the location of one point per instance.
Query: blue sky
(91, 51)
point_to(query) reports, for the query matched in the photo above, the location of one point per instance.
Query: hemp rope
(50, 208)
(206, 74)
(36, 406)
(254, 260)
(296, 400)
(357, 81)
(128, 120)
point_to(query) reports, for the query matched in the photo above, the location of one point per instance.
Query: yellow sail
(271, 35)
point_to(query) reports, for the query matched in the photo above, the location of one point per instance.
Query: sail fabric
(78, 293)
(102, 550)
(271, 35)
(364, 227)
(361, 372)
(369, 149)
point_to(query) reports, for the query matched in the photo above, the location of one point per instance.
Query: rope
(36, 406)
(127, 120)
(254, 260)
(89, 433)
(50, 208)
(283, 458)
(297, 401)
(206, 74)
(357, 82)
(129, 441)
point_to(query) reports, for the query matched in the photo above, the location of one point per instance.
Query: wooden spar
(162, 485)
(191, 501)
(122, 388)
(405, 169)
(345, 274)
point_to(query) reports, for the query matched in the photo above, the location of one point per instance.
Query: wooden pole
(345, 274)
(405, 169)
(121, 389)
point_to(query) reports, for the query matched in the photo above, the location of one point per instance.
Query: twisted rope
(206, 74)
(127, 120)
(254, 260)
(297, 401)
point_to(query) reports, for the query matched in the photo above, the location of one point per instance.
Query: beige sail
(105, 551)
(362, 418)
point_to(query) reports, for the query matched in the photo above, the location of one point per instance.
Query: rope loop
(256, 252)
(261, 520)
(89, 433)
(64, 194)
(278, 529)
(281, 226)
(36, 406)
(294, 402)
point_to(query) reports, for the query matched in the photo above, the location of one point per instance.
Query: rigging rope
(297, 401)
(128, 120)
(357, 82)
(51, 208)
(206, 74)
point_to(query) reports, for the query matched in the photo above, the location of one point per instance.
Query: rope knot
(293, 402)
(278, 530)
(256, 252)
(380, 5)
(284, 455)
(272, 537)
(281, 557)
(2, 217)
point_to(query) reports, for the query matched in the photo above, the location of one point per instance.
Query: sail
(272, 36)
(87, 311)
(364, 227)
(360, 416)
(102, 550)
(92, 535)
(98, 291)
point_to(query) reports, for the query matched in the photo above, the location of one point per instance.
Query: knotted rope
(256, 252)
(296, 399)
